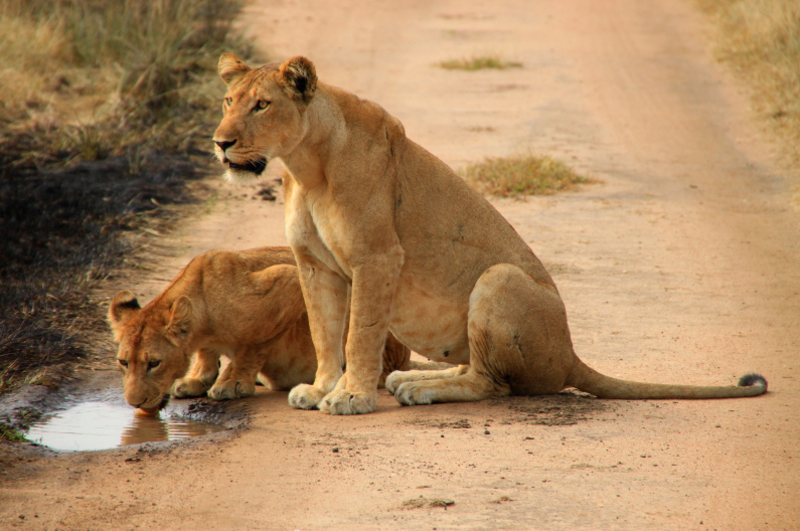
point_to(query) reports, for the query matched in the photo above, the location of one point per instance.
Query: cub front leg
(201, 376)
(325, 294)
(238, 380)
(374, 284)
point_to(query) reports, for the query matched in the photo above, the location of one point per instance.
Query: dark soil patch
(563, 409)
(63, 231)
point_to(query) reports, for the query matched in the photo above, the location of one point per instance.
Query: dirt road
(682, 266)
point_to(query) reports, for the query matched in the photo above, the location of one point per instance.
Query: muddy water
(102, 425)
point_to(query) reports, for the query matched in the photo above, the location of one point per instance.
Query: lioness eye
(228, 101)
(154, 363)
(123, 363)
(262, 104)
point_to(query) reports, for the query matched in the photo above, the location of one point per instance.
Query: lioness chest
(430, 321)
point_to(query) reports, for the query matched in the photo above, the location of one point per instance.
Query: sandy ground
(682, 266)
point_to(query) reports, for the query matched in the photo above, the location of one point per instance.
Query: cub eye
(229, 101)
(124, 363)
(262, 104)
(152, 364)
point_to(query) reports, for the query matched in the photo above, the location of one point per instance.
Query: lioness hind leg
(397, 378)
(518, 340)
(238, 380)
(201, 376)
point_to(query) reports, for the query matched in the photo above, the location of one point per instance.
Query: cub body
(247, 306)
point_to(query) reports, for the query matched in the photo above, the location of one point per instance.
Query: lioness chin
(371, 213)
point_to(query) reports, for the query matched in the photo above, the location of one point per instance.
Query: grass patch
(522, 175)
(99, 78)
(11, 434)
(760, 41)
(105, 111)
(479, 63)
(14, 426)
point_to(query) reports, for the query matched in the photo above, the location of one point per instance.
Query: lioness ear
(123, 307)
(231, 68)
(299, 78)
(180, 319)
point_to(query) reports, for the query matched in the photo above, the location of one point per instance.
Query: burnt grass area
(63, 231)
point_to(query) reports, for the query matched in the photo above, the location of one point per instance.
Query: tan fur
(245, 305)
(370, 212)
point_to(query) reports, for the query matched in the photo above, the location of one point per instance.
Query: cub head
(153, 347)
(263, 113)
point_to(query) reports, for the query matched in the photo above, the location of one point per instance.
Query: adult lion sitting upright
(426, 256)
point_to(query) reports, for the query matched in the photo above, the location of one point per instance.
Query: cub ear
(231, 68)
(123, 307)
(180, 318)
(299, 78)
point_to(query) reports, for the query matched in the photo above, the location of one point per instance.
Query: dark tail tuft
(752, 379)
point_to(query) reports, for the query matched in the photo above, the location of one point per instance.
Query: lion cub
(245, 305)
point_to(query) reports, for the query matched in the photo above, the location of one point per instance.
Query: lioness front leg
(325, 294)
(374, 284)
(201, 376)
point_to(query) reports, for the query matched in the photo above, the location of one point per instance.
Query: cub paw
(305, 396)
(413, 394)
(189, 387)
(343, 402)
(230, 389)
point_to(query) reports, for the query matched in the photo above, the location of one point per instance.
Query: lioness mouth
(256, 166)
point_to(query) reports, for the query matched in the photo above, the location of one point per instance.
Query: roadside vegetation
(522, 175)
(760, 41)
(105, 111)
(479, 63)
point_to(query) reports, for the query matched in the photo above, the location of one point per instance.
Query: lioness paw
(393, 381)
(343, 402)
(305, 396)
(231, 389)
(413, 394)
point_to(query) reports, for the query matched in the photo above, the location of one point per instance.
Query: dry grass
(479, 63)
(522, 175)
(97, 78)
(101, 105)
(760, 40)
(416, 503)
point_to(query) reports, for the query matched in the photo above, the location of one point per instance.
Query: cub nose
(224, 144)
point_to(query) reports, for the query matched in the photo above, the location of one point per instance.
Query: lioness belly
(432, 327)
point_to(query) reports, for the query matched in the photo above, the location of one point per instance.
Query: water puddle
(102, 425)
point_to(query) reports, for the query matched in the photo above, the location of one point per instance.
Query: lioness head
(263, 112)
(153, 347)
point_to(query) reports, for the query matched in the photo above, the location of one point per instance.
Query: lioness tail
(587, 379)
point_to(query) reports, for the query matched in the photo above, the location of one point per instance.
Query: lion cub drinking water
(382, 227)
(246, 305)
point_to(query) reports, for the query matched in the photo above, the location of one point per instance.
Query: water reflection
(100, 425)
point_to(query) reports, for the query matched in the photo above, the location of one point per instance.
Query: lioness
(246, 305)
(424, 255)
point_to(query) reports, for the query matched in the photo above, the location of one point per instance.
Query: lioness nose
(224, 144)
